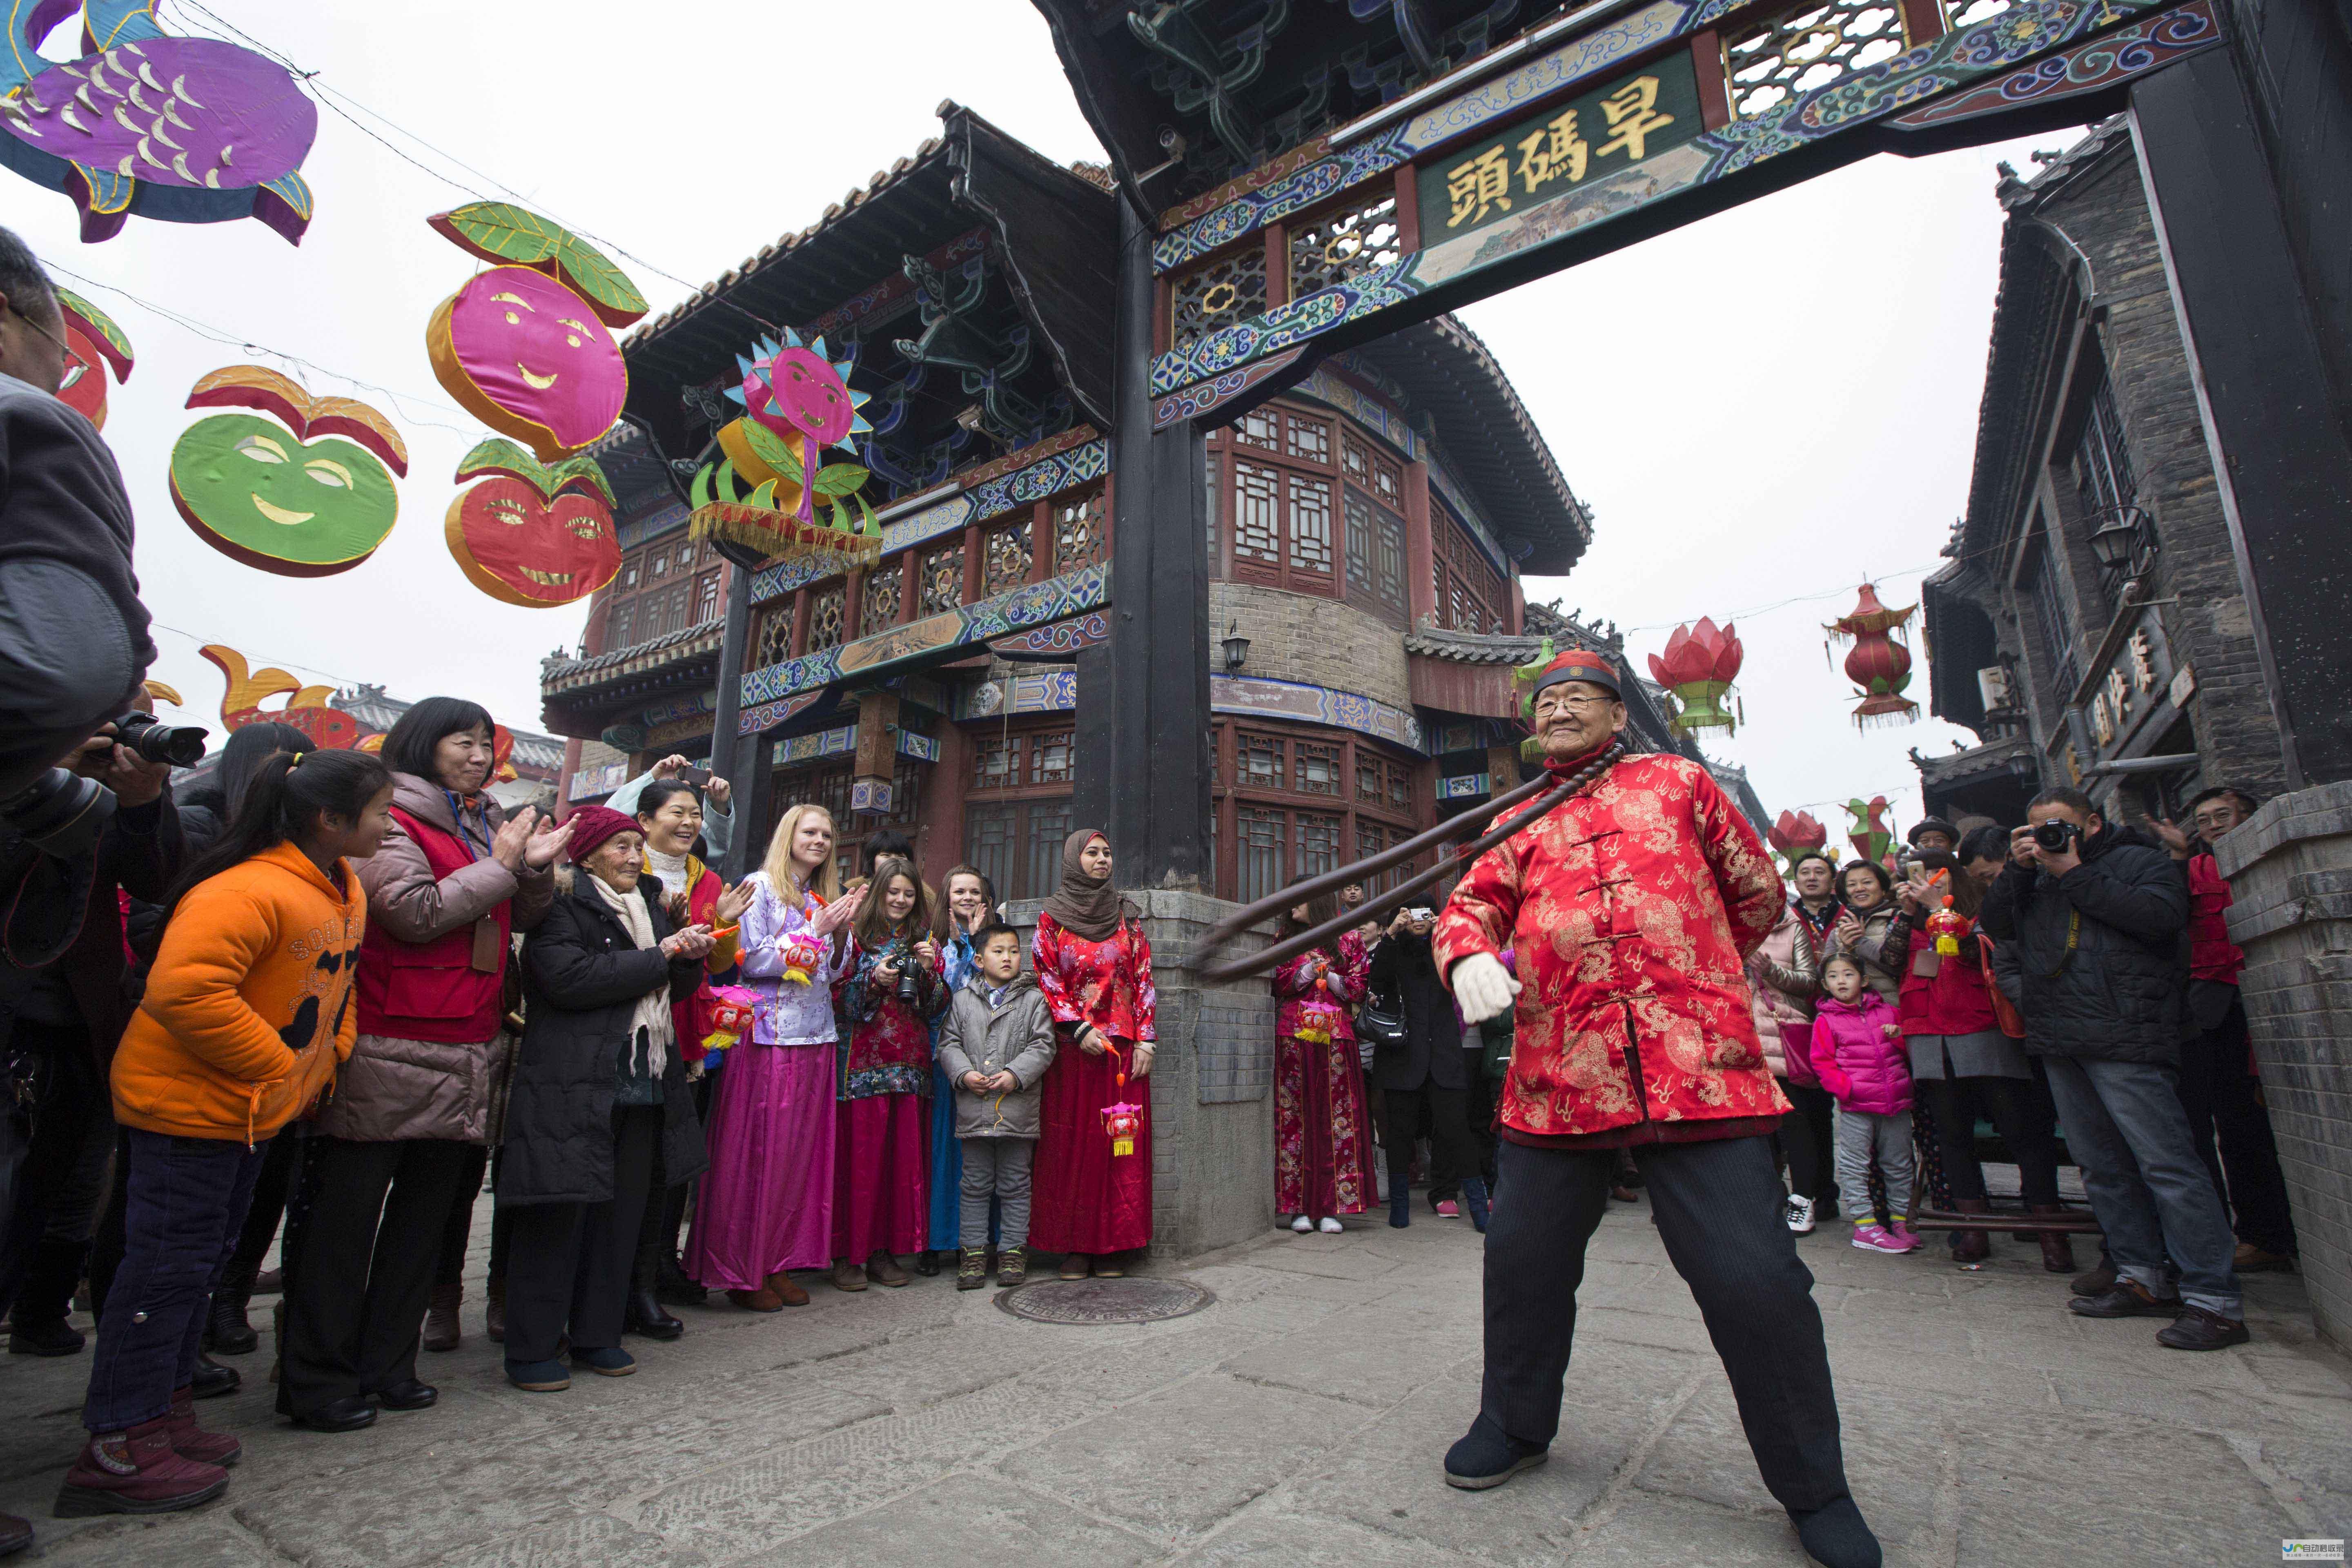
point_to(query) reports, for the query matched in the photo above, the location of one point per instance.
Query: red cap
(591, 825)
(1580, 664)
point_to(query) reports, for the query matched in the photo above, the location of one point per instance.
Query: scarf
(1088, 908)
(651, 1022)
(671, 870)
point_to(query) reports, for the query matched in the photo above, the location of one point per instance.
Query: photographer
(2098, 915)
(1423, 1076)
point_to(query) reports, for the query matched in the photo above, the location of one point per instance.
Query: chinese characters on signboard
(1561, 148)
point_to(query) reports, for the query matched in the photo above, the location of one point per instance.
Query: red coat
(1955, 1000)
(2211, 954)
(1633, 909)
(1106, 985)
(1294, 986)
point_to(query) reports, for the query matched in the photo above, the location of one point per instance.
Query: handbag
(1380, 1026)
(2004, 1012)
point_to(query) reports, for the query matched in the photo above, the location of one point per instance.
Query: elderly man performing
(1631, 911)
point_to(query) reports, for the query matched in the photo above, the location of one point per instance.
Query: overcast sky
(1772, 403)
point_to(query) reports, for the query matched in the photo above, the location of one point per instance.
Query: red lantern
(1946, 926)
(1794, 833)
(803, 954)
(1124, 1122)
(1879, 664)
(1699, 665)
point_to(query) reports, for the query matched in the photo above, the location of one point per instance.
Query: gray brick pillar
(1212, 1081)
(2289, 871)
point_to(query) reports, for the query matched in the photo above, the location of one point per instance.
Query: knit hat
(591, 825)
(1580, 664)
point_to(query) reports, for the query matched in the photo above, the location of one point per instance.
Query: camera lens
(2052, 835)
(60, 812)
(182, 745)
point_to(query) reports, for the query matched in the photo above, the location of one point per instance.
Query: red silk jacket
(1633, 909)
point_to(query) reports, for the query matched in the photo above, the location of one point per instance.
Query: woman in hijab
(1094, 964)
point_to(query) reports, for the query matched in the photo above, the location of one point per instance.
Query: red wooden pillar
(975, 564)
(801, 598)
(853, 607)
(1041, 541)
(1420, 547)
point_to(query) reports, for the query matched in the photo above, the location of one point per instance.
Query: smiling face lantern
(95, 345)
(286, 494)
(530, 534)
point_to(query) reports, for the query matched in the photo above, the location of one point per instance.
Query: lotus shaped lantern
(1794, 833)
(1698, 667)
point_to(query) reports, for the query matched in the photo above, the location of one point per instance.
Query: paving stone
(593, 1538)
(1311, 1540)
(1641, 1534)
(1370, 1355)
(209, 1537)
(969, 1517)
(2000, 1531)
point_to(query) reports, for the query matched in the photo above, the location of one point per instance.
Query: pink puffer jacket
(1859, 1061)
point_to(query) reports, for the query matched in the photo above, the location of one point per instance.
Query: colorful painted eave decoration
(2035, 49)
(182, 129)
(286, 494)
(530, 534)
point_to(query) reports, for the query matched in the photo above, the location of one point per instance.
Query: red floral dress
(1084, 1198)
(1322, 1147)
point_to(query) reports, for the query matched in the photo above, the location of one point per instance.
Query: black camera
(61, 814)
(182, 745)
(2054, 836)
(905, 962)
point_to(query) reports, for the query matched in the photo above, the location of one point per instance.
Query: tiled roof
(1991, 757)
(565, 674)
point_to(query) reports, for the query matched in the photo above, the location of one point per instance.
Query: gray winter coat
(1016, 1037)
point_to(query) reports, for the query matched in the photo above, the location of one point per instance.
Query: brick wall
(1321, 642)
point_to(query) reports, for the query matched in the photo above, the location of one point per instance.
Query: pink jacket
(1859, 1061)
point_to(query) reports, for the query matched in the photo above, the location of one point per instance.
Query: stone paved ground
(1300, 1420)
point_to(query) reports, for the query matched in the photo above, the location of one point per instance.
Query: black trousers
(1718, 1208)
(458, 1230)
(270, 1191)
(2218, 1093)
(656, 1257)
(568, 1264)
(1805, 1135)
(2020, 1109)
(44, 1240)
(355, 1298)
(1453, 1154)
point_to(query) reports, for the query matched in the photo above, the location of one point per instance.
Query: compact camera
(2055, 836)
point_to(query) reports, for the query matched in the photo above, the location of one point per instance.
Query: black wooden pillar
(729, 750)
(1148, 721)
(2240, 151)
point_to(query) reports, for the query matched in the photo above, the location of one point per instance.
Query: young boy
(994, 1046)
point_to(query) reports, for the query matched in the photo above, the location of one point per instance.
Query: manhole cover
(1087, 1301)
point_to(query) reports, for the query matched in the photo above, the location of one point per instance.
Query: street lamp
(1236, 647)
(2126, 542)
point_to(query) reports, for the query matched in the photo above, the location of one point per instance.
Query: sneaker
(1447, 1209)
(971, 1268)
(2198, 1330)
(2126, 1299)
(1910, 1238)
(1487, 1456)
(1013, 1266)
(608, 1361)
(1302, 1225)
(1873, 1237)
(136, 1471)
(1799, 1212)
(1329, 1225)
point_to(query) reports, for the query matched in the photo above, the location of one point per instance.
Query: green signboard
(1552, 152)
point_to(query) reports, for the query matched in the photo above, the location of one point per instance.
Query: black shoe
(2125, 1299)
(59, 1337)
(2198, 1330)
(927, 1263)
(1487, 1456)
(211, 1380)
(346, 1415)
(2096, 1281)
(409, 1396)
(225, 1330)
(678, 1290)
(1836, 1536)
(15, 1534)
(646, 1319)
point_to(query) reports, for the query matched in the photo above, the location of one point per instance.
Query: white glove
(1141, 1067)
(1483, 988)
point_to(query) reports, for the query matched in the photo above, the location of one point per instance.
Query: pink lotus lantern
(1794, 833)
(803, 955)
(1699, 665)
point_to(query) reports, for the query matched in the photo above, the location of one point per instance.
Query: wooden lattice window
(1257, 514)
(1307, 437)
(1290, 822)
(995, 762)
(1469, 592)
(1260, 427)
(1344, 243)
(1310, 526)
(1359, 545)
(1078, 530)
(1259, 762)
(943, 578)
(1229, 289)
(773, 645)
(1050, 757)
(1006, 560)
(1812, 46)
(1263, 838)
(1318, 768)
(1320, 835)
(826, 607)
(1388, 558)
(883, 587)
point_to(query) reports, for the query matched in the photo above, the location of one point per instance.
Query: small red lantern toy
(1317, 1018)
(731, 1016)
(1946, 926)
(1123, 1122)
(803, 955)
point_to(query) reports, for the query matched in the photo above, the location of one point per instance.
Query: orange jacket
(248, 1009)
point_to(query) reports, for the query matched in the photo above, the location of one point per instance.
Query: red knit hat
(591, 825)
(1580, 664)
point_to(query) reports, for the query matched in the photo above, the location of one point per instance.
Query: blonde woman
(767, 1201)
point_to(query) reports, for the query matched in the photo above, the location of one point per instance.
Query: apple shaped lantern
(1699, 665)
(528, 358)
(93, 345)
(500, 233)
(530, 534)
(255, 489)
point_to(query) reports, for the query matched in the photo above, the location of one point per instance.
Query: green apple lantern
(534, 534)
(287, 495)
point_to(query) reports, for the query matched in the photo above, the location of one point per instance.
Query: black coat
(1431, 1056)
(581, 978)
(2120, 995)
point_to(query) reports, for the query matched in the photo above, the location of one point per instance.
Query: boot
(1474, 1202)
(494, 1310)
(191, 1441)
(1399, 1204)
(781, 1285)
(211, 1380)
(673, 1289)
(441, 1331)
(2057, 1248)
(1013, 1266)
(225, 1331)
(136, 1472)
(1971, 1245)
(971, 1268)
(927, 1263)
(37, 1326)
(643, 1316)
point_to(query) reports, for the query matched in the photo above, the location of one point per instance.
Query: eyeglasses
(43, 331)
(1580, 702)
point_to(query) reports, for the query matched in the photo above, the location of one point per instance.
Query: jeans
(999, 1168)
(2149, 1191)
(1861, 1134)
(187, 1198)
(1717, 1209)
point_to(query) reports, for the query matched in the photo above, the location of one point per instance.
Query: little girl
(1858, 1051)
(881, 1170)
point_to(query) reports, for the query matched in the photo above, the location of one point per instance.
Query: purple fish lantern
(184, 130)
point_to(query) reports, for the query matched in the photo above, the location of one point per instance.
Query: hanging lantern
(1879, 664)
(1868, 833)
(733, 1008)
(1700, 664)
(1124, 1122)
(1946, 926)
(804, 955)
(1794, 833)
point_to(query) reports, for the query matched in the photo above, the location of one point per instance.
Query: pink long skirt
(881, 1176)
(767, 1199)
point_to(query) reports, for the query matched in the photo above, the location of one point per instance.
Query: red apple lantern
(93, 345)
(532, 534)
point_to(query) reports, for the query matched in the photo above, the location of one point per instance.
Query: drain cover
(1092, 1301)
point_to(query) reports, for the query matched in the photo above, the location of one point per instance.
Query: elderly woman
(399, 1149)
(599, 1095)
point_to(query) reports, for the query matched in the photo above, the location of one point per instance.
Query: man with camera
(2098, 915)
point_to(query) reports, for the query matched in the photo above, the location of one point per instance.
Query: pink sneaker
(1448, 1209)
(1873, 1238)
(1911, 1239)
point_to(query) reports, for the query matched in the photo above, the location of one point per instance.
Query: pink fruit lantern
(1699, 665)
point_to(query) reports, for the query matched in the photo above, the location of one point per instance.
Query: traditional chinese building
(2090, 624)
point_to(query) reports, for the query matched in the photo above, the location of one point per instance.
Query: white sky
(1773, 402)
